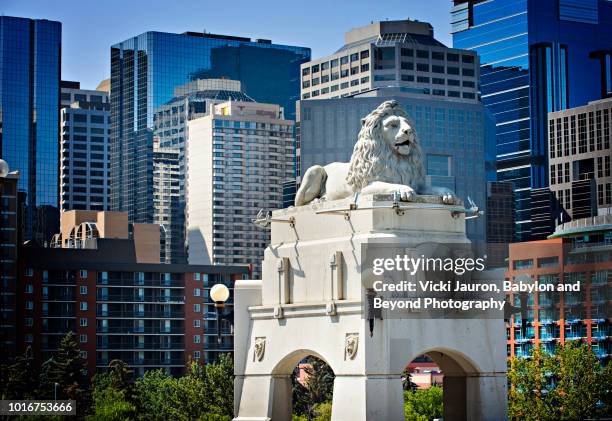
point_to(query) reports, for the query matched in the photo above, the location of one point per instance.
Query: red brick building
(578, 251)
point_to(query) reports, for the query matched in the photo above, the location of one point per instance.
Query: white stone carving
(387, 159)
(351, 343)
(260, 348)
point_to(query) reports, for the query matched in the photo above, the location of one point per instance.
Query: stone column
(265, 398)
(367, 397)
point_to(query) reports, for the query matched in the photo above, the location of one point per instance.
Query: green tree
(110, 404)
(20, 379)
(318, 387)
(580, 381)
(423, 404)
(529, 397)
(219, 384)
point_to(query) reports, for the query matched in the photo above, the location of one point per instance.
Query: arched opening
(436, 385)
(311, 383)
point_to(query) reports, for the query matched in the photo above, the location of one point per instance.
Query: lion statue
(387, 159)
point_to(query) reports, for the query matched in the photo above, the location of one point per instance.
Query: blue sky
(90, 27)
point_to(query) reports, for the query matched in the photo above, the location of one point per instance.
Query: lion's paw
(406, 194)
(448, 198)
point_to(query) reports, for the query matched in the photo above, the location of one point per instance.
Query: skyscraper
(29, 108)
(84, 153)
(238, 157)
(536, 56)
(190, 101)
(146, 69)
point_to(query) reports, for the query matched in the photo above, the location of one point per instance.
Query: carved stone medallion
(351, 344)
(260, 348)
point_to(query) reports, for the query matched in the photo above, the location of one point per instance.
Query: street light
(55, 386)
(219, 293)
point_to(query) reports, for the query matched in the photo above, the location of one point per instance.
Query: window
(437, 69)
(467, 72)
(335, 76)
(196, 339)
(196, 323)
(545, 262)
(408, 78)
(354, 82)
(29, 321)
(365, 79)
(365, 54)
(196, 292)
(438, 165)
(422, 79)
(344, 73)
(83, 354)
(468, 84)
(83, 322)
(29, 272)
(83, 273)
(522, 264)
(422, 67)
(306, 84)
(83, 305)
(452, 70)
(437, 81)
(384, 77)
(422, 54)
(354, 56)
(315, 81)
(29, 338)
(344, 85)
(452, 82)
(344, 60)
(365, 67)
(354, 70)
(83, 338)
(467, 59)
(325, 65)
(454, 94)
(29, 305)
(452, 57)
(83, 289)
(407, 52)
(441, 92)
(29, 289)
(305, 71)
(197, 308)
(407, 65)
(334, 62)
(469, 95)
(196, 276)
(315, 68)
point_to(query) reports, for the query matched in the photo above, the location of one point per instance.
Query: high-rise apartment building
(579, 150)
(29, 104)
(399, 54)
(578, 251)
(536, 56)
(500, 222)
(190, 101)
(146, 70)
(103, 280)
(168, 211)
(11, 220)
(238, 157)
(84, 148)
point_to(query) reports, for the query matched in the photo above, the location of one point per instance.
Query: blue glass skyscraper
(29, 116)
(536, 56)
(146, 69)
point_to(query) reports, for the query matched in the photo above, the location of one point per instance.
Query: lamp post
(219, 293)
(55, 386)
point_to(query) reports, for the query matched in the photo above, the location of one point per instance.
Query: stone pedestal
(310, 302)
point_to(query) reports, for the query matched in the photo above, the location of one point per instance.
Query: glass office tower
(536, 56)
(29, 116)
(146, 69)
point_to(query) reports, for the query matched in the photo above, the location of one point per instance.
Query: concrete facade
(401, 54)
(578, 150)
(84, 148)
(238, 158)
(311, 302)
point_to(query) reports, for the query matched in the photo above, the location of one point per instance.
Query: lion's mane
(374, 160)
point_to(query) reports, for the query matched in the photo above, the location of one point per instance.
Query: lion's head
(387, 149)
